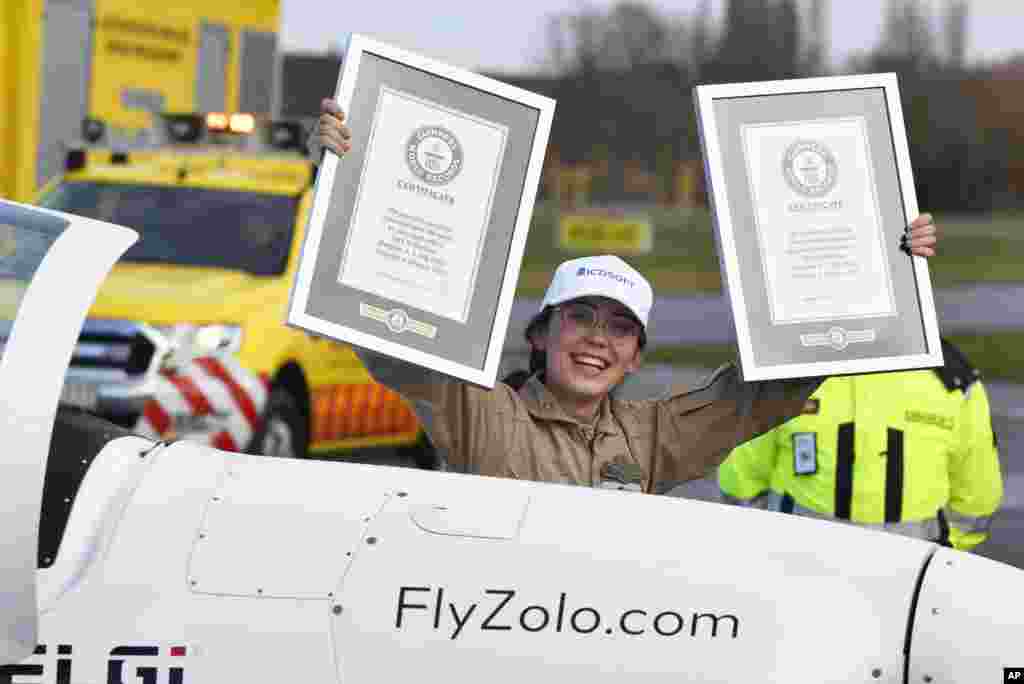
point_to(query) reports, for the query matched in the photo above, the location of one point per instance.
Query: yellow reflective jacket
(885, 449)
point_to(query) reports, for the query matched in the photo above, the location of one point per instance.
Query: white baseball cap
(601, 276)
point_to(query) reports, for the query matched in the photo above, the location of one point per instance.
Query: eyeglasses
(582, 318)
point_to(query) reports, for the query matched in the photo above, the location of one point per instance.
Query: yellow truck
(221, 202)
(63, 61)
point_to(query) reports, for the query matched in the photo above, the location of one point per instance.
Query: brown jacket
(525, 434)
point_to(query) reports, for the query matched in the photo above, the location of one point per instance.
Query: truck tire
(422, 453)
(285, 432)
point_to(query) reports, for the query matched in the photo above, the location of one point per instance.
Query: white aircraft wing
(51, 265)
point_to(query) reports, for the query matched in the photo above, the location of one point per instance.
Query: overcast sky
(507, 35)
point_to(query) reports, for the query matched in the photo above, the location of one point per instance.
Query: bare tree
(631, 34)
(788, 51)
(679, 44)
(634, 35)
(907, 33)
(575, 41)
(761, 40)
(956, 32)
(816, 41)
(557, 57)
(703, 39)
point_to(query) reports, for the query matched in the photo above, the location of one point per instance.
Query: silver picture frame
(416, 236)
(811, 188)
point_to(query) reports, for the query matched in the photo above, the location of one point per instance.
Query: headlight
(217, 337)
(189, 340)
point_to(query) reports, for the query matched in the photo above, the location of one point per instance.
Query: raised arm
(698, 428)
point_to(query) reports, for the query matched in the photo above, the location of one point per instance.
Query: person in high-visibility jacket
(910, 452)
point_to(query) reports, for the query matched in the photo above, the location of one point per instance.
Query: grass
(973, 248)
(694, 355)
(999, 355)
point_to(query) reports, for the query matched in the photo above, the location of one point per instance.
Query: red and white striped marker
(217, 388)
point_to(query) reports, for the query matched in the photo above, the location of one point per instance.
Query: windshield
(240, 231)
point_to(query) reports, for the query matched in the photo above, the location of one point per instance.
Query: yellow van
(62, 61)
(221, 203)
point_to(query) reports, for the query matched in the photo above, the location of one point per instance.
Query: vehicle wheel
(285, 433)
(422, 453)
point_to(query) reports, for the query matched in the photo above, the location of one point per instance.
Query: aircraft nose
(968, 624)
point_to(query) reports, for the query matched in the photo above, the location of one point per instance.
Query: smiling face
(584, 361)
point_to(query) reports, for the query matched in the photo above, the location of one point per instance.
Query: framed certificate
(416, 236)
(811, 189)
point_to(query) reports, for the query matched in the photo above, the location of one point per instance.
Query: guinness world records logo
(434, 155)
(397, 320)
(838, 338)
(809, 168)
